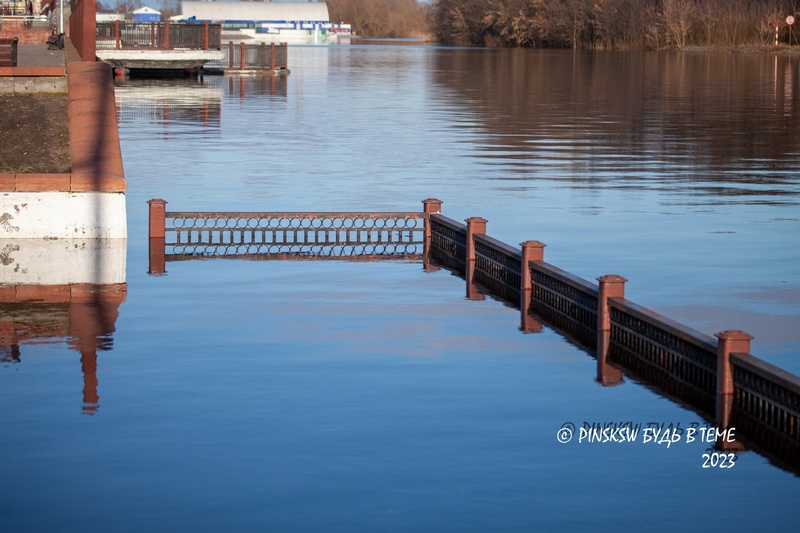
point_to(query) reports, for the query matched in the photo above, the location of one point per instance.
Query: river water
(309, 395)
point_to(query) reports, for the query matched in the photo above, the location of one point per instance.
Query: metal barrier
(244, 56)
(119, 35)
(448, 243)
(273, 235)
(665, 353)
(705, 373)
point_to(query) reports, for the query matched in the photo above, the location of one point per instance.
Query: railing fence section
(244, 56)
(121, 35)
(716, 376)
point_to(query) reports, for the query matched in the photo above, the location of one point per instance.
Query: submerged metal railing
(244, 56)
(284, 235)
(716, 376)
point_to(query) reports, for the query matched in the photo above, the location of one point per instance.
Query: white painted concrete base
(62, 215)
(57, 262)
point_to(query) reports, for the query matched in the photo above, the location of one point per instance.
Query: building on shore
(294, 22)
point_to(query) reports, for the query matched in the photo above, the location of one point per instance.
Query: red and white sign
(790, 20)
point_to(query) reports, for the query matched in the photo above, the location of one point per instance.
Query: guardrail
(120, 35)
(716, 376)
(244, 56)
(184, 235)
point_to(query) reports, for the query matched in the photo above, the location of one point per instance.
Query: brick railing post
(728, 342)
(429, 207)
(242, 51)
(475, 226)
(158, 216)
(272, 56)
(205, 35)
(611, 286)
(157, 253)
(230, 54)
(531, 251)
(117, 35)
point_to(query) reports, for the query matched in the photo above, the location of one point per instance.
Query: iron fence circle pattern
(224, 221)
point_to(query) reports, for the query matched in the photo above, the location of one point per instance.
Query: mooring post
(728, 342)
(611, 286)
(531, 251)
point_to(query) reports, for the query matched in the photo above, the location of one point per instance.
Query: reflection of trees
(708, 112)
(604, 24)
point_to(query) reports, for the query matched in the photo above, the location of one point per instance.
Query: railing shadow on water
(716, 377)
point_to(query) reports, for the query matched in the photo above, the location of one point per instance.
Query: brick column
(475, 226)
(611, 286)
(158, 216)
(728, 342)
(531, 251)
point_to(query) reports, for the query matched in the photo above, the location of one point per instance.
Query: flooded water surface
(367, 396)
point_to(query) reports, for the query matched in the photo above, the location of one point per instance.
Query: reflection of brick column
(93, 313)
(89, 367)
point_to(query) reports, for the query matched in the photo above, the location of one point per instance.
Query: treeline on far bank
(598, 24)
(610, 24)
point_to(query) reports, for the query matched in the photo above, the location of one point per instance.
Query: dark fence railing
(120, 35)
(678, 359)
(244, 56)
(695, 369)
(716, 376)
